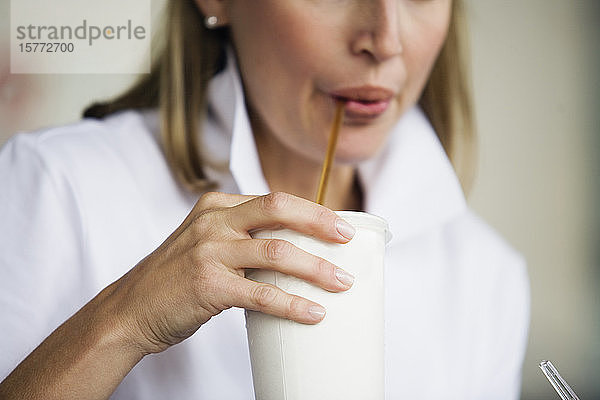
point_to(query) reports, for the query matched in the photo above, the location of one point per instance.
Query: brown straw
(335, 130)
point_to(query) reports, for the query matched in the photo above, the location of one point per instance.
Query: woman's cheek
(420, 55)
(426, 36)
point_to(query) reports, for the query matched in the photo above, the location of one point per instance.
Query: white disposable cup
(342, 357)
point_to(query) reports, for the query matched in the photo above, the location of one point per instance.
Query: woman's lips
(355, 108)
(365, 102)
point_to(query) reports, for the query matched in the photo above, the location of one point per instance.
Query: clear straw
(560, 385)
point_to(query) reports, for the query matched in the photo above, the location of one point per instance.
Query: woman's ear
(214, 11)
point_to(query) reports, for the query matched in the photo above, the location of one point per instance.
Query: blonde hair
(446, 99)
(192, 54)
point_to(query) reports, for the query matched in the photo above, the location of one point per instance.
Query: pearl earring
(211, 22)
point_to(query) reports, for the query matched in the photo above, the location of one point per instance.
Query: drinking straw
(335, 130)
(558, 383)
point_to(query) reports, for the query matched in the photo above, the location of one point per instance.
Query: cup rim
(367, 220)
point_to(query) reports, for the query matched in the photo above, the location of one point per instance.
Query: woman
(246, 93)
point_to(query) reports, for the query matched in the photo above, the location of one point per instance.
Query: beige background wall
(535, 66)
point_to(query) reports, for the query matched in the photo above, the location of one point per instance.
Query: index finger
(220, 199)
(282, 210)
(209, 200)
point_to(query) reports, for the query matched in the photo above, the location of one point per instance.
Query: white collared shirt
(81, 204)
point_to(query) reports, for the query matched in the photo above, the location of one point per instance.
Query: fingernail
(344, 277)
(316, 312)
(345, 229)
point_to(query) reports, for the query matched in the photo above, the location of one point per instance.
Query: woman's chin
(356, 151)
(354, 156)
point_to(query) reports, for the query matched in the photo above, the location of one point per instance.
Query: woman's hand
(195, 274)
(199, 270)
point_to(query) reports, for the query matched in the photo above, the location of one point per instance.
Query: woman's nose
(377, 32)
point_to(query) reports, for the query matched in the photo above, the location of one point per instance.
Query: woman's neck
(290, 172)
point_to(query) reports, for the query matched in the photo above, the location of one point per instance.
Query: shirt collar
(410, 182)
(228, 119)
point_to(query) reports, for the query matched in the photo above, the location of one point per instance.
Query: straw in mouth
(335, 130)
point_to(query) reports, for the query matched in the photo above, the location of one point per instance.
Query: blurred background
(537, 97)
(535, 66)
